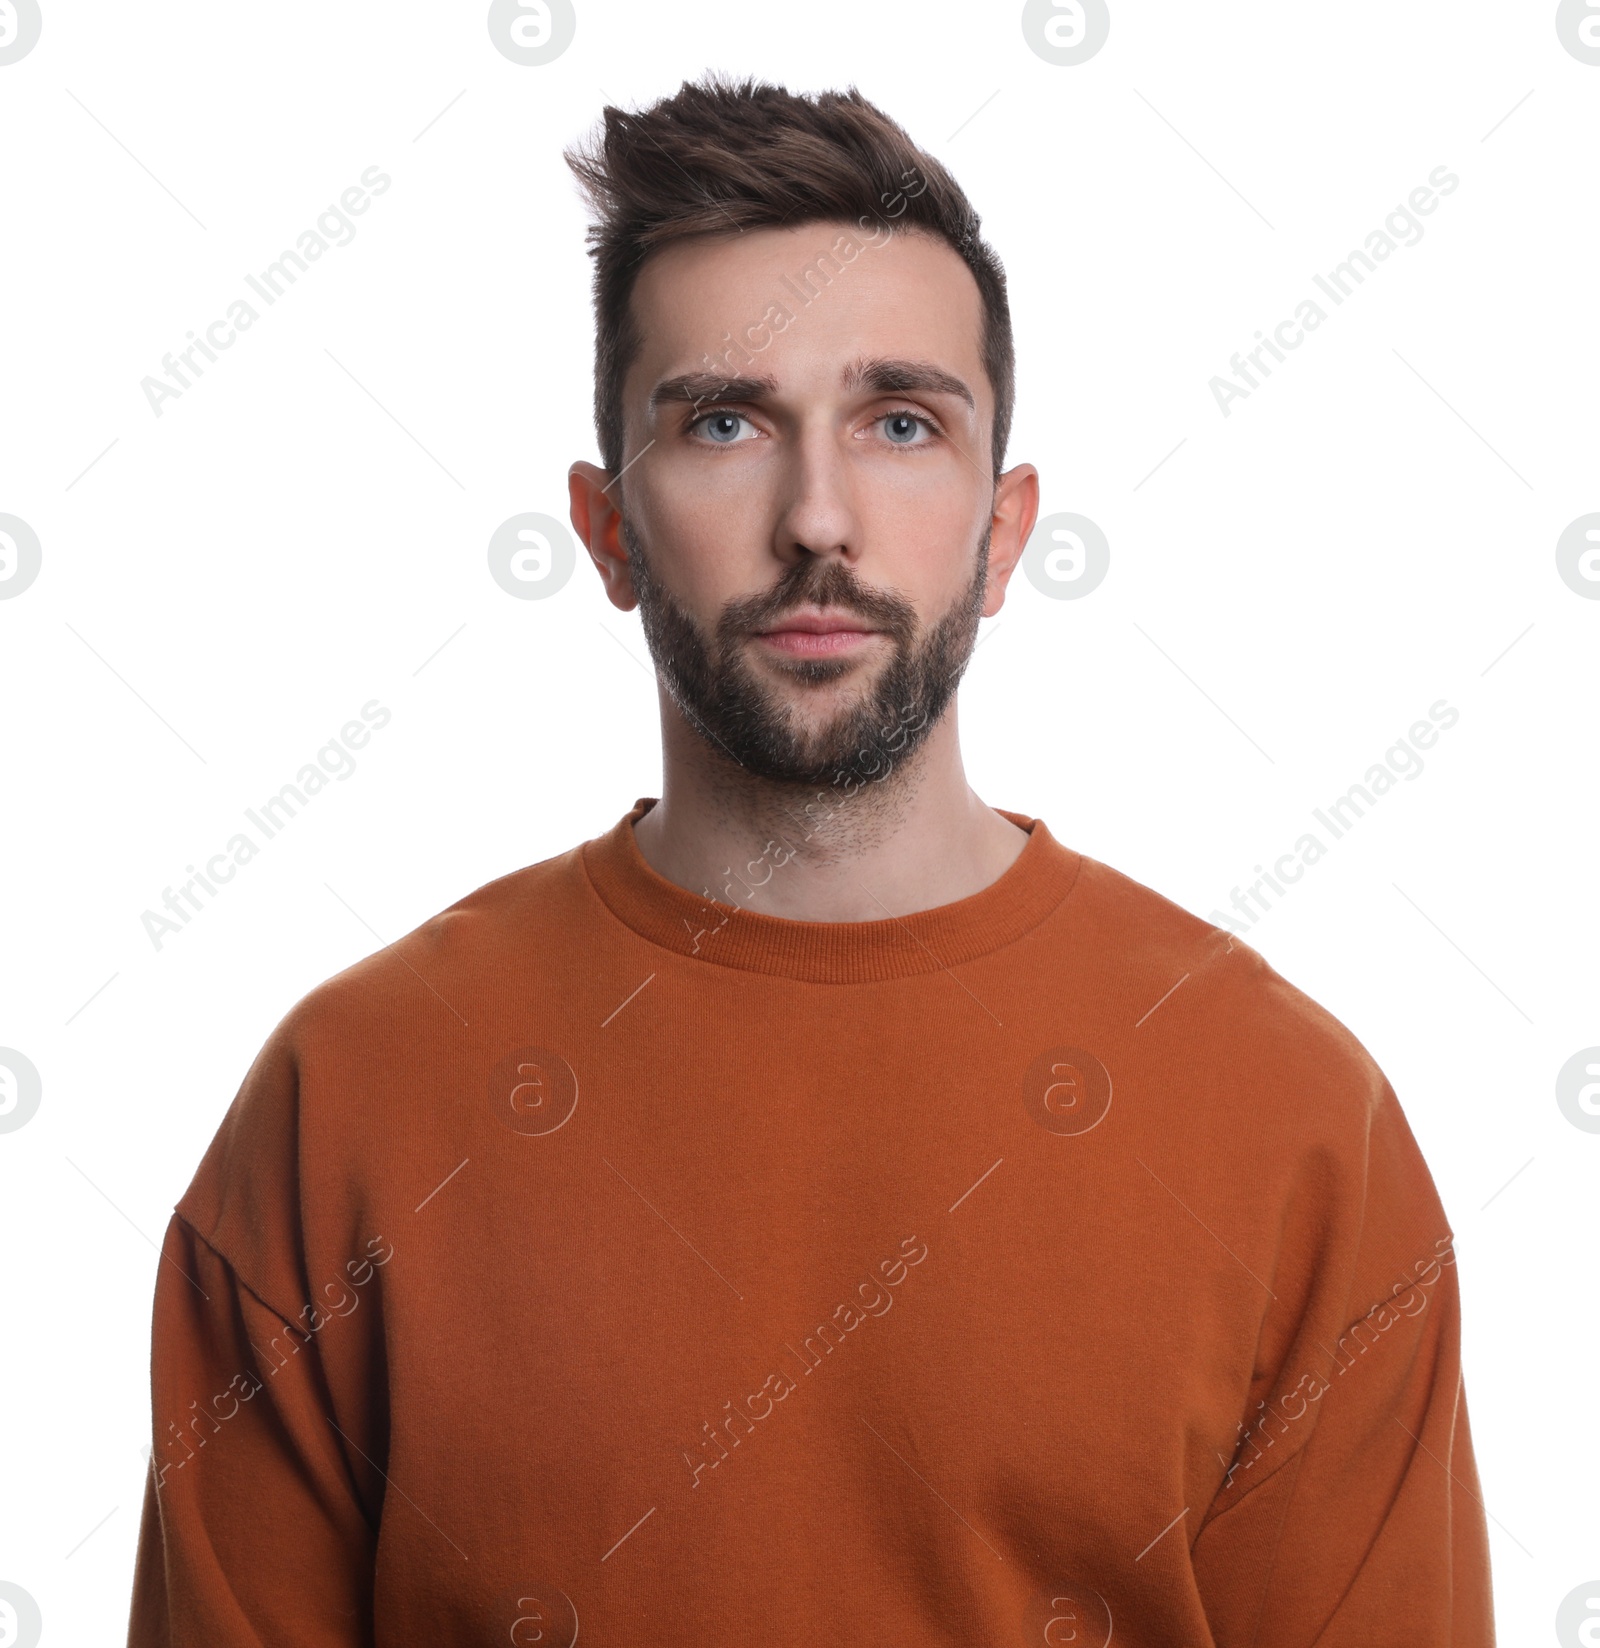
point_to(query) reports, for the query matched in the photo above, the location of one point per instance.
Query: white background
(304, 530)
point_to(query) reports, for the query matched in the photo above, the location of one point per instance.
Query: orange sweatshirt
(1041, 1268)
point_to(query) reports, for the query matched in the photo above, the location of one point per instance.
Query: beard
(744, 719)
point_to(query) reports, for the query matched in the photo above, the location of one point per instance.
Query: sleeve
(1351, 1515)
(253, 1530)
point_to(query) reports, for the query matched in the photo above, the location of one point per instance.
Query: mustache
(824, 584)
(808, 582)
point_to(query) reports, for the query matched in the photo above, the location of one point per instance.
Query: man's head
(803, 385)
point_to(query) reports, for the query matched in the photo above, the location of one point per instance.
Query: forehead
(802, 302)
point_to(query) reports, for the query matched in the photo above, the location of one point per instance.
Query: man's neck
(913, 840)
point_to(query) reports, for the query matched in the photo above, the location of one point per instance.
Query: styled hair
(724, 155)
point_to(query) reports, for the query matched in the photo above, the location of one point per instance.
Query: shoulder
(510, 921)
(1258, 1099)
(1268, 1054)
(346, 1075)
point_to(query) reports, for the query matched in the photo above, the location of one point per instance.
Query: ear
(1016, 508)
(598, 521)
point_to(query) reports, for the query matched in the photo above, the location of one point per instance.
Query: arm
(254, 1531)
(1351, 1515)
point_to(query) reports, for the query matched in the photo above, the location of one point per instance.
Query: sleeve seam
(238, 1275)
(1295, 1453)
(324, 1397)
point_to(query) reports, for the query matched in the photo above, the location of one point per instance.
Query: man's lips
(811, 634)
(819, 623)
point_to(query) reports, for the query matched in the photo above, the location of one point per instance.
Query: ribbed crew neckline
(827, 952)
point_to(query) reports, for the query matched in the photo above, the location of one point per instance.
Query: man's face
(806, 501)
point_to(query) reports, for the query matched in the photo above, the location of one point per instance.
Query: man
(823, 1208)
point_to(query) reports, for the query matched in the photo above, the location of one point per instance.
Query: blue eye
(901, 427)
(721, 427)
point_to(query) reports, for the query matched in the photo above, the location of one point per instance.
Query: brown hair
(724, 155)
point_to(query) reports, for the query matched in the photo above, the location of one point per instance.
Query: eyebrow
(904, 377)
(886, 376)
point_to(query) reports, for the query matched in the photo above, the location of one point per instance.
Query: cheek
(928, 529)
(941, 490)
(931, 561)
(701, 543)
